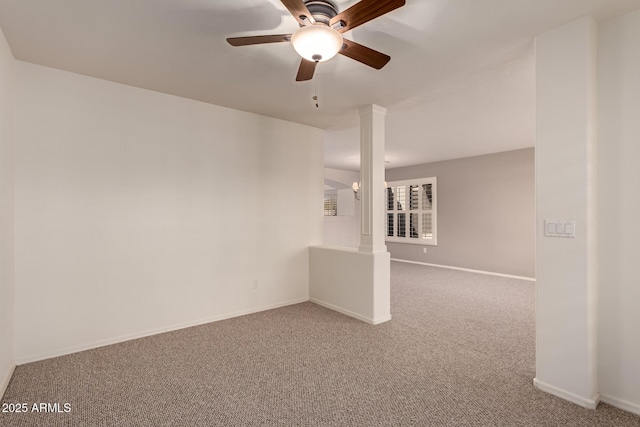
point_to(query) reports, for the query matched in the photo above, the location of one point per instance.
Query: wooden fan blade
(363, 54)
(245, 41)
(299, 10)
(306, 70)
(364, 11)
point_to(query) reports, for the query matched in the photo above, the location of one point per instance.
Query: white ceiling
(460, 81)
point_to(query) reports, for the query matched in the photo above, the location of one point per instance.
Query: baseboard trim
(634, 408)
(351, 313)
(450, 267)
(5, 381)
(123, 338)
(566, 395)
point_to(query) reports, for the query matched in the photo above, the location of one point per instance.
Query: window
(330, 203)
(411, 211)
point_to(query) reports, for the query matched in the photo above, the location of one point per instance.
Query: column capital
(372, 108)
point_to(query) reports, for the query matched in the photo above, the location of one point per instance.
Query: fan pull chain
(315, 91)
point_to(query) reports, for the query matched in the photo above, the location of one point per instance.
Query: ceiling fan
(319, 37)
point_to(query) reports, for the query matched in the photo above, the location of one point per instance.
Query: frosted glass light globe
(316, 43)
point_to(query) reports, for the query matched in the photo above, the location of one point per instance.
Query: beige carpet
(459, 351)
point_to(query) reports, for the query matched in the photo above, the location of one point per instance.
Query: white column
(618, 211)
(566, 271)
(372, 179)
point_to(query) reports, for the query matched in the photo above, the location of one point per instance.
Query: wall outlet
(255, 284)
(424, 250)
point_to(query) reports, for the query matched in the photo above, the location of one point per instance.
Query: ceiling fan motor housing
(322, 10)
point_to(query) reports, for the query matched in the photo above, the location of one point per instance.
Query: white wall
(345, 177)
(351, 282)
(566, 340)
(486, 213)
(619, 211)
(7, 83)
(343, 229)
(138, 212)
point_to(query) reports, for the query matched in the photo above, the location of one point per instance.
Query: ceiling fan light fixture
(317, 43)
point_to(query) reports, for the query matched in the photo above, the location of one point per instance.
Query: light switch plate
(560, 228)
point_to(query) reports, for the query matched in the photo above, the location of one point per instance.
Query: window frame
(330, 203)
(407, 184)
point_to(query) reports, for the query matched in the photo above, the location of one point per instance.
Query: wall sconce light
(356, 189)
